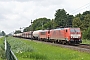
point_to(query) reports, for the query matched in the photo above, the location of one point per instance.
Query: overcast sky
(19, 13)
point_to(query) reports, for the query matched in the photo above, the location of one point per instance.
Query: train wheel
(63, 42)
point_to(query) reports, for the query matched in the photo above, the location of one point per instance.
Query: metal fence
(9, 54)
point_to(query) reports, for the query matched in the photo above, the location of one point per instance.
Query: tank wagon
(41, 35)
(18, 35)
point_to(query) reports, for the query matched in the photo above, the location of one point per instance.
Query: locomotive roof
(58, 29)
(63, 28)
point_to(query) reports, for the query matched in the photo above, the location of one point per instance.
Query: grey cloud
(23, 11)
(1, 17)
(19, 0)
(27, 0)
(38, 1)
(46, 3)
(5, 0)
(3, 12)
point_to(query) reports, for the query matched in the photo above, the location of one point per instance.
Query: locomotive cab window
(66, 30)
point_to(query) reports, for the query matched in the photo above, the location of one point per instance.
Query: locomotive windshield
(74, 30)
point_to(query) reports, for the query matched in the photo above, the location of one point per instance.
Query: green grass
(2, 52)
(85, 41)
(30, 50)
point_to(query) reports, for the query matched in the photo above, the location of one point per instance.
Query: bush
(86, 34)
(6, 36)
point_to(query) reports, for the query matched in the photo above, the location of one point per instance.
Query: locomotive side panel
(67, 34)
(57, 34)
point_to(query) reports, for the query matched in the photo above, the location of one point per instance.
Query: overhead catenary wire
(80, 8)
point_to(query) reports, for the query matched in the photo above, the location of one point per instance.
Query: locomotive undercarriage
(72, 41)
(76, 41)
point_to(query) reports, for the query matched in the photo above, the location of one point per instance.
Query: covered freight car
(27, 34)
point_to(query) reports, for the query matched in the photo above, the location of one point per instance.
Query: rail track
(77, 47)
(87, 46)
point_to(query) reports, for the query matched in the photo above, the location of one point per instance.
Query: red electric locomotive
(66, 35)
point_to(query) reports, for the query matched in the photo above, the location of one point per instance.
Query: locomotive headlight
(71, 36)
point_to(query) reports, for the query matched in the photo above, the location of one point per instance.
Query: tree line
(63, 19)
(2, 33)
